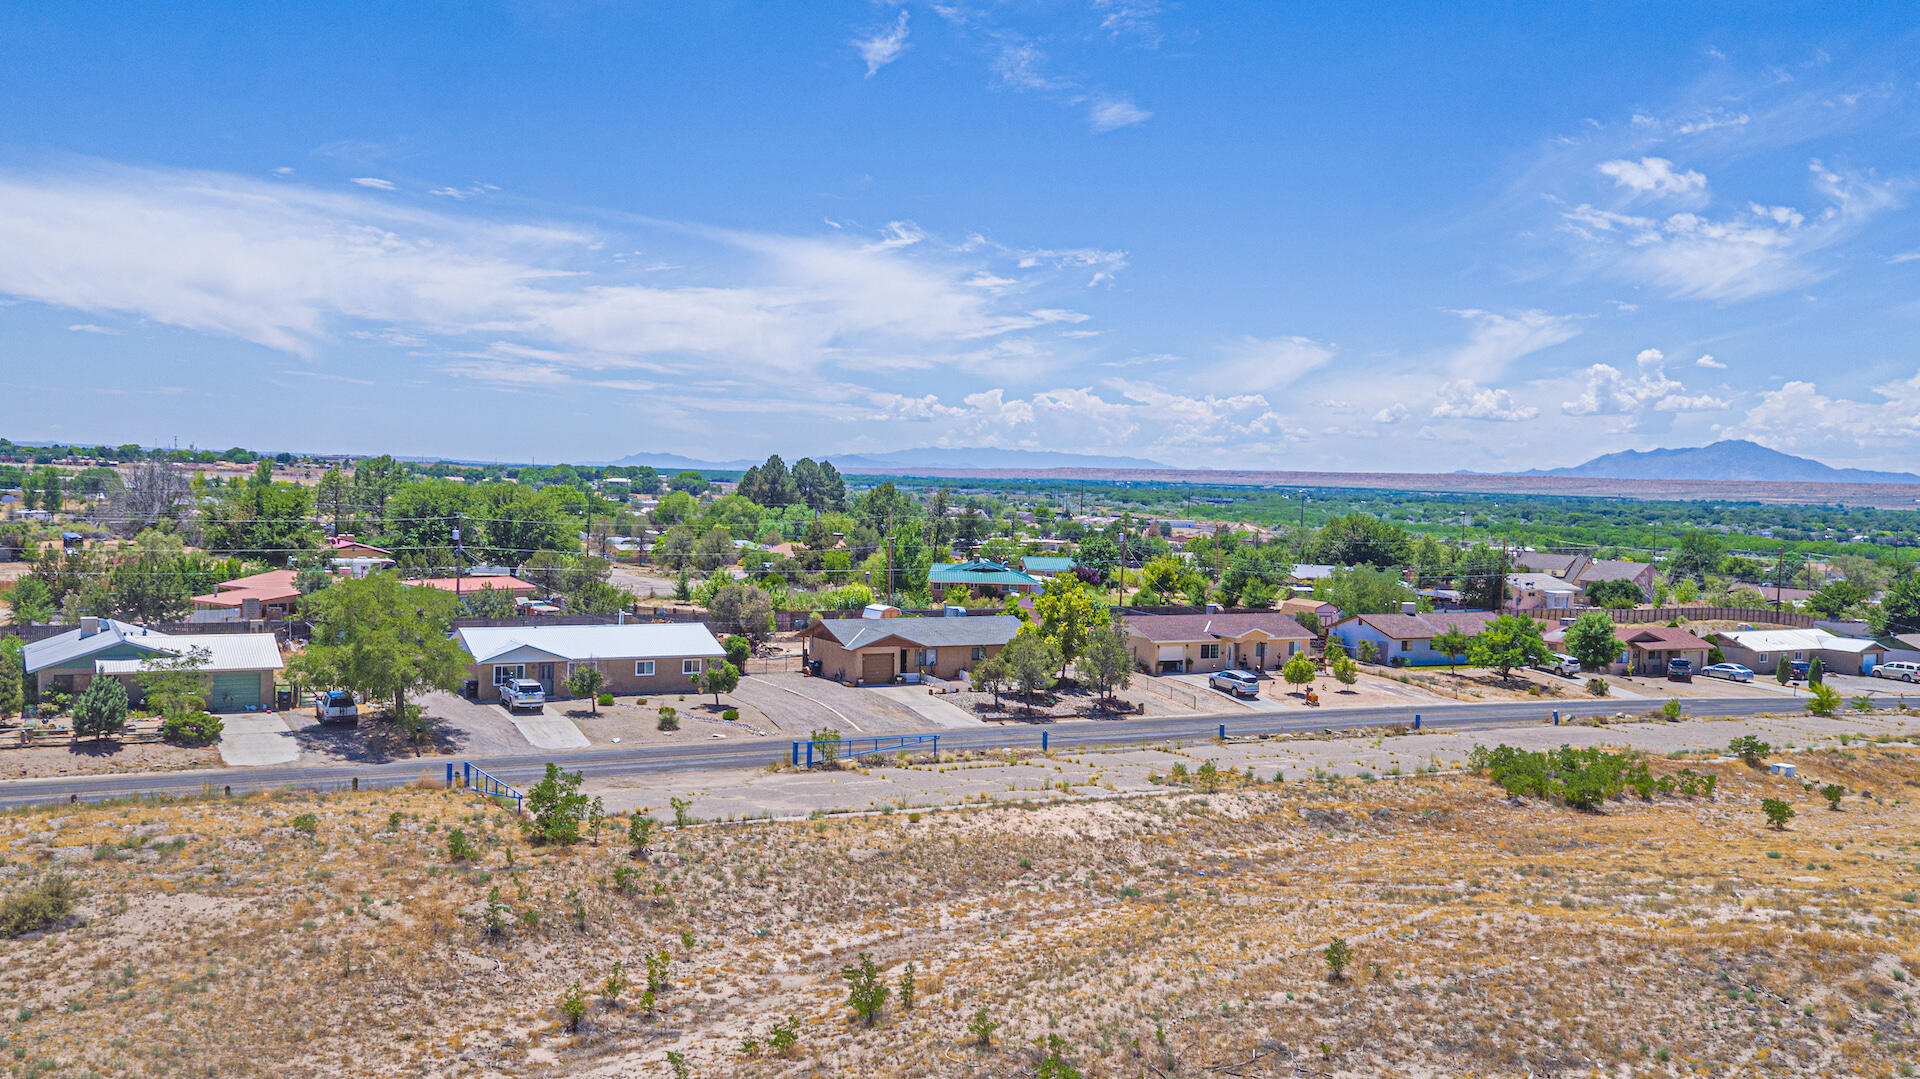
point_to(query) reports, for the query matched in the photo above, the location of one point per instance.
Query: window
(927, 657)
(1406, 646)
(1209, 651)
(502, 673)
(643, 668)
(691, 666)
(979, 652)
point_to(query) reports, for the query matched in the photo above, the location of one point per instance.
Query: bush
(730, 714)
(1778, 813)
(101, 710)
(980, 1028)
(1338, 955)
(866, 993)
(557, 807)
(738, 649)
(669, 718)
(784, 1037)
(306, 823)
(1671, 709)
(1833, 792)
(1580, 778)
(1749, 749)
(1822, 699)
(193, 729)
(573, 1005)
(606, 699)
(1599, 687)
(459, 847)
(36, 907)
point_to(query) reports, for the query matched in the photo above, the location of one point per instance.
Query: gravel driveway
(797, 704)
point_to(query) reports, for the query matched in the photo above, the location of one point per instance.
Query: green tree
(1480, 576)
(101, 710)
(1617, 594)
(1778, 812)
(1345, 670)
(1833, 792)
(1697, 555)
(1298, 670)
(743, 609)
(1030, 660)
(1359, 539)
(739, 650)
(1822, 699)
(383, 640)
(1509, 641)
(1362, 590)
(688, 481)
(1452, 643)
(31, 601)
(1591, 640)
(718, 678)
(1899, 609)
(173, 682)
(866, 992)
(13, 696)
(1069, 614)
(585, 681)
(557, 807)
(1106, 660)
(1339, 955)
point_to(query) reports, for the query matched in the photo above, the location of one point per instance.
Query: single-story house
(1306, 573)
(513, 586)
(1044, 566)
(1293, 606)
(982, 577)
(1540, 592)
(1649, 649)
(1406, 639)
(239, 668)
(1762, 649)
(876, 651)
(1179, 643)
(273, 592)
(348, 547)
(635, 658)
(1585, 571)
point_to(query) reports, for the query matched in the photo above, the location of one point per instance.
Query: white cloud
(1497, 340)
(292, 267)
(1133, 418)
(1707, 361)
(1259, 364)
(374, 182)
(1705, 402)
(463, 193)
(1393, 413)
(1465, 400)
(1610, 393)
(88, 327)
(1904, 256)
(1653, 176)
(1797, 416)
(1112, 113)
(884, 46)
(1765, 250)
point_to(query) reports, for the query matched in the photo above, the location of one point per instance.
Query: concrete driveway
(476, 729)
(797, 704)
(933, 708)
(255, 738)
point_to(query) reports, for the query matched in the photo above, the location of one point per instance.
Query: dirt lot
(93, 758)
(1069, 700)
(628, 722)
(1181, 934)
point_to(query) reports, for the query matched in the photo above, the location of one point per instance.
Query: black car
(1679, 670)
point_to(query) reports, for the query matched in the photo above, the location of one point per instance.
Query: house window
(1209, 651)
(1761, 658)
(691, 666)
(502, 673)
(1292, 647)
(643, 668)
(979, 652)
(1406, 646)
(926, 657)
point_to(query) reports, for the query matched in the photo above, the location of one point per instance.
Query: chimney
(1408, 606)
(250, 608)
(89, 625)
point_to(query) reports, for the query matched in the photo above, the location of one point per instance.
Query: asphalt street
(525, 768)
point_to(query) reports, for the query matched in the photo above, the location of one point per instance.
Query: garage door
(234, 692)
(876, 667)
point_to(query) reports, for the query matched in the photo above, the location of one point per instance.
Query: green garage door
(234, 692)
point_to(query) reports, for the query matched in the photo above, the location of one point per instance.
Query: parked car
(521, 693)
(1899, 668)
(1797, 670)
(336, 706)
(1732, 672)
(1238, 683)
(1679, 670)
(1562, 664)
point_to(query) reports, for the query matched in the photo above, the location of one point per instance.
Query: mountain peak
(1728, 459)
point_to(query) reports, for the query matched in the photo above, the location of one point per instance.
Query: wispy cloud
(882, 47)
(1262, 364)
(1653, 176)
(88, 327)
(1497, 340)
(374, 182)
(1904, 256)
(1112, 114)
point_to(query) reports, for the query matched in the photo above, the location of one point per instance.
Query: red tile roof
(513, 585)
(273, 586)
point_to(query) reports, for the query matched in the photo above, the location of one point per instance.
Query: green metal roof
(1048, 564)
(978, 571)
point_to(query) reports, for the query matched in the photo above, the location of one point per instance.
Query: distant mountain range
(899, 460)
(1732, 459)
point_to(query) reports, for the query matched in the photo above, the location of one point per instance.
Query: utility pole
(1779, 574)
(459, 554)
(889, 561)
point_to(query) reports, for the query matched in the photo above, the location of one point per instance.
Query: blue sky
(1230, 235)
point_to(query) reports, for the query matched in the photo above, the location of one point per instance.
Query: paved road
(610, 761)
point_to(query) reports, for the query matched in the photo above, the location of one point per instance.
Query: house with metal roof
(1406, 639)
(877, 651)
(637, 657)
(1246, 640)
(239, 667)
(1763, 649)
(1044, 566)
(982, 577)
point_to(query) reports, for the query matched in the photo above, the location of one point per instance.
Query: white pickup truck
(335, 706)
(521, 693)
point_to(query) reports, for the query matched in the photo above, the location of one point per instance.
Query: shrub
(906, 987)
(1338, 955)
(36, 907)
(557, 807)
(193, 729)
(573, 1005)
(980, 1028)
(730, 714)
(626, 879)
(681, 818)
(1671, 709)
(677, 1063)
(1833, 792)
(1862, 703)
(738, 649)
(1207, 777)
(495, 917)
(305, 822)
(1054, 1065)
(1822, 699)
(1599, 687)
(640, 835)
(616, 982)
(669, 718)
(459, 847)
(1580, 778)
(606, 699)
(866, 993)
(784, 1037)
(101, 710)
(1749, 749)
(1778, 813)
(659, 967)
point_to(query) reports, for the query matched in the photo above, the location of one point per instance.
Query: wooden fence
(1708, 614)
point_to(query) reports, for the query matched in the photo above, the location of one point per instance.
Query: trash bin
(282, 700)
(472, 689)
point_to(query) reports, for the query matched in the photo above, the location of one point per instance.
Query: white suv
(1562, 664)
(1238, 683)
(1901, 669)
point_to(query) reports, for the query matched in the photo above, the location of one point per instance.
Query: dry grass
(1161, 936)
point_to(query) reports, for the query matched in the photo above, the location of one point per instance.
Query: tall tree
(1899, 610)
(1106, 661)
(1069, 613)
(1359, 539)
(383, 640)
(1591, 640)
(1030, 660)
(1697, 554)
(1509, 641)
(13, 687)
(1362, 590)
(1480, 577)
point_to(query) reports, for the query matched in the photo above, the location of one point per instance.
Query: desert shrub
(866, 993)
(785, 1036)
(1671, 709)
(1207, 777)
(1822, 699)
(557, 807)
(1778, 812)
(677, 1063)
(1055, 1065)
(669, 718)
(640, 835)
(1580, 778)
(1833, 792)
(681, 818)
(1749, 749)
(305, 822)
(496, 914)
(980, 1028)
(1599, 687)
(616, 982)
(626, 879)
(606, 699)
(36, 906)
(730, 714)
(459, 847)
(906, 991)
(193, 729)
(659, 969)
(1862, 703)
(573, 1005)
(1178, 773)
(1338, 955)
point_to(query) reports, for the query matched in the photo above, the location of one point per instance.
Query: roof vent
(89, 625)
(1408, 606)
(955, 612)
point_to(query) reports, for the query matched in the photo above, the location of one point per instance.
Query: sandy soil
(626, 722)
(1180, 934)
(93, 758)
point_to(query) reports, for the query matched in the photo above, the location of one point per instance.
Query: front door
(546, 677)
